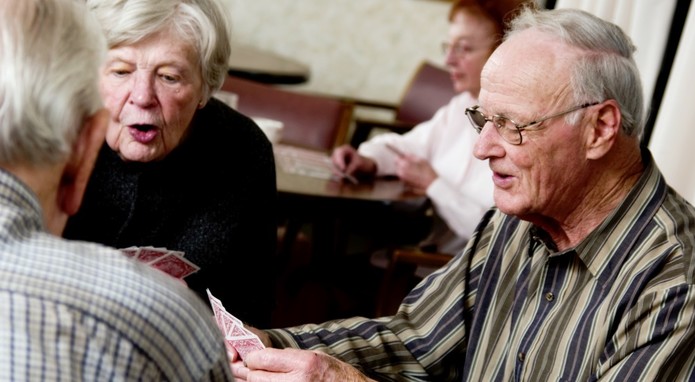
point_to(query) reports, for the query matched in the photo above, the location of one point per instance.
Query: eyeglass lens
(508, 133)
(477, 118)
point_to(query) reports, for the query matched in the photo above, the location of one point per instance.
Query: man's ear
(81, 163)
(605, 129)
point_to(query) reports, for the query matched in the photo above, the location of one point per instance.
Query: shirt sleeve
(425, 340)
(417, 141)
(657, 331)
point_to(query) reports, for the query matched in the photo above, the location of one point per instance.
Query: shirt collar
(606, 246)
(21, 208)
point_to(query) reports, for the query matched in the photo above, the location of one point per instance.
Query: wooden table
(267, 67)
(326, 203)
(379, 190)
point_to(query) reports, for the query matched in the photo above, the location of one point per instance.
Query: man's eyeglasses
(508, 129)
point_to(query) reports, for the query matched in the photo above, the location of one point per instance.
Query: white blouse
(463, 191)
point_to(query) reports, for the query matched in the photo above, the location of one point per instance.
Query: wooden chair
(429, 89)
(401, 276)
(310, 120)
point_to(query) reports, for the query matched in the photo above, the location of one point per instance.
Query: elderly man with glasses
(583, 271)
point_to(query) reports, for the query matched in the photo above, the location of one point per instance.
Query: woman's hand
(346, 160)
(416, 172)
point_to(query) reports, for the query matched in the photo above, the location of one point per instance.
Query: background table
(267, 67)
(316, 279)
(327, 203)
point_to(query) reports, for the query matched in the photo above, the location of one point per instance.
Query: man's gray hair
(606, 69)
(50, 52)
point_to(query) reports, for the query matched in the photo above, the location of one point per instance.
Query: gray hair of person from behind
(607, 70)
(50, 52)
(204, 23)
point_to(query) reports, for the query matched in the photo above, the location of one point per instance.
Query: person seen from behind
(72, 310)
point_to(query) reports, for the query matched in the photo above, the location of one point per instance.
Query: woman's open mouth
(143, 133)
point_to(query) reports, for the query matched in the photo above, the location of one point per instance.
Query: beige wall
(355, 48)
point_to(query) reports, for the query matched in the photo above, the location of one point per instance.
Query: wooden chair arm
(358, 102)
(418, 257)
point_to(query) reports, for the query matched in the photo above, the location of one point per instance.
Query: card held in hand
(171, 262)
(175, 266)
(245, 345)
(149, 254)
(236, 336)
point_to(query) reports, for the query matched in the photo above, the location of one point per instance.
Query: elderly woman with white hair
(180, 169)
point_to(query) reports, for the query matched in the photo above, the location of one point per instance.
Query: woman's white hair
(202, 23)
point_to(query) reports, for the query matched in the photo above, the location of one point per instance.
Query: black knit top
(214, 197)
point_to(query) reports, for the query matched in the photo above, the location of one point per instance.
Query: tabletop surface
(308, 172)
(334, 208)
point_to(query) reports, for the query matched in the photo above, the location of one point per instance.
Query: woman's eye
(168, 78)
(119, 72)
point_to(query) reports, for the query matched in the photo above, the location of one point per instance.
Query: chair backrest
(311, 121)
(429, 89)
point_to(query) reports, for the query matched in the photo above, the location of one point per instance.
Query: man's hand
(294, 365)
(263, 336)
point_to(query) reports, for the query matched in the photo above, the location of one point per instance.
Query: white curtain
(674, 131)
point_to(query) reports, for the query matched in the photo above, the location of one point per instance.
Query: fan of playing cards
(171, 262)
(236, 335)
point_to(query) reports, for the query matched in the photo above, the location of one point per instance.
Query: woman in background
(437, 158)
(180, 169)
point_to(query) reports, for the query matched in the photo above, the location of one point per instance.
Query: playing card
(131, 251)
(217, 310)
(150, 254)
(174, 265)
(233, 327)
(236, 335)
(245, 345)
(171, 262)
(177, 253)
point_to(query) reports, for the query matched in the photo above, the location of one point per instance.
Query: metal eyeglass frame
(501, 122)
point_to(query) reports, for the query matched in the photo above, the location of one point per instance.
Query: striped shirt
(75, 311)
(617, 307)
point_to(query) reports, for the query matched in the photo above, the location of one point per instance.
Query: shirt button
(521, 356)
(549, 296)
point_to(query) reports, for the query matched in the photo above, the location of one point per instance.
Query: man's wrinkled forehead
(528, 65)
